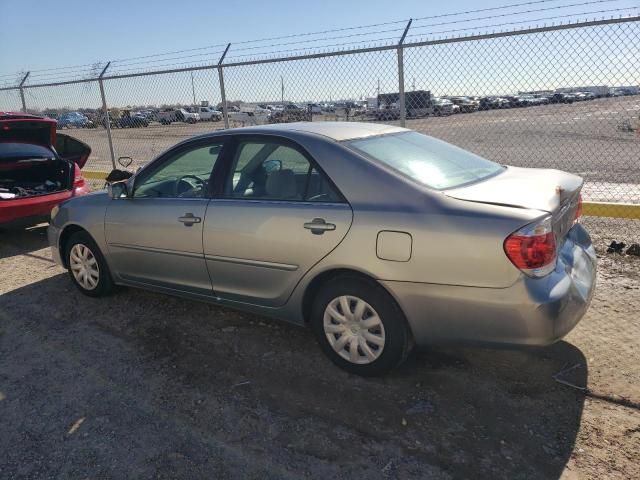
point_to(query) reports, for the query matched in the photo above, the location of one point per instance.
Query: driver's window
(185, 176)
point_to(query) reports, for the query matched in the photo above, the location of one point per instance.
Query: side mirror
(118, 190)
(272, 165)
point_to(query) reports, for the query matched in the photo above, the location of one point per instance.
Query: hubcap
(84, 266)
(354, 329)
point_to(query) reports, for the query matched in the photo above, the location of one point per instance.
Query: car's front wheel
(87, 267)
(359, 326)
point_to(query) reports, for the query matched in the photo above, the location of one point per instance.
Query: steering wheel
(199, 183)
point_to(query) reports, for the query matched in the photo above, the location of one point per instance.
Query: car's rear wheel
(359, 326)
(87, 267)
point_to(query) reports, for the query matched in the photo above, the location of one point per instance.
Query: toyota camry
(377, 237)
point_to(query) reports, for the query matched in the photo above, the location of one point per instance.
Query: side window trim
(232, 149)
(171, 154)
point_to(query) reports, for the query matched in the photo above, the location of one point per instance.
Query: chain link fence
(565, 97)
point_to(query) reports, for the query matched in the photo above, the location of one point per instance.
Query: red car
(39, 168)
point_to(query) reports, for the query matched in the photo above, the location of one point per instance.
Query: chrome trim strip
(253, 263)
(157, 250)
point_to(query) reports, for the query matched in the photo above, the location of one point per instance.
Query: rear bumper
(530, 312)
(40, 206)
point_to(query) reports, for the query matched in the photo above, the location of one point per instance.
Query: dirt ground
(143, 385)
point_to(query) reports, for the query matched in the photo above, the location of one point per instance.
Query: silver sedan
(377, 237)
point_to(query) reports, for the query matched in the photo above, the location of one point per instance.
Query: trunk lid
(548, 190)
(27, 129)
(72, 149)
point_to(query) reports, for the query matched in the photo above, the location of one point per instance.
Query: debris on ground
(616, 247)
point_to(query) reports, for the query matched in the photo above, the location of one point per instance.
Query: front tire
(359, 326)
(87, 267)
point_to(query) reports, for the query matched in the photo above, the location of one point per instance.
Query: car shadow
(184, 376)
(22, 239)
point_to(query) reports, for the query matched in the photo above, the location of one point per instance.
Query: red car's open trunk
(38, 168)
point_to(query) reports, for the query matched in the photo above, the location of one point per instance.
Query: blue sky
(38, 34)
(72, 32)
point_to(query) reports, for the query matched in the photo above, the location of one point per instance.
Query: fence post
(106, 115)
(403, 113)
(223, 95)
(24, 103)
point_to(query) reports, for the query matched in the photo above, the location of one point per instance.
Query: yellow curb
(95, 175)
(612, 210)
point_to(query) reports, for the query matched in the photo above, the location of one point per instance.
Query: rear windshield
(429, 161)
(23, 151)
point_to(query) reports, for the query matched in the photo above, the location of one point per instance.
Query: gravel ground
(143, 385)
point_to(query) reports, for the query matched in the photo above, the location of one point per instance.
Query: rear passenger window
(272, 171)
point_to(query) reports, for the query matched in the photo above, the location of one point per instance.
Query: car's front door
(155, 235)
(277, 216)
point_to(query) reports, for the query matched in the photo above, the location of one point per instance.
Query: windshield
(429, 161)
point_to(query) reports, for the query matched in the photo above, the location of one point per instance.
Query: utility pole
(378, 90)
(413, 86)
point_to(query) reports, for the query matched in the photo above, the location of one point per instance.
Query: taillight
(576, 218)
(78, 179)
(532, 249)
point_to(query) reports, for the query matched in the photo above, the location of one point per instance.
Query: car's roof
(335, 130)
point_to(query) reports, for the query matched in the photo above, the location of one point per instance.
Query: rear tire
(359, 326)
(87, 267)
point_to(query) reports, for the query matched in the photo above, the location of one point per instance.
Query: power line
(315, 47)
(116, 62)
(582, 14)
(513, 14)
(319, 39)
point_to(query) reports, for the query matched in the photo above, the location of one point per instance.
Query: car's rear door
(155, 236)
(277, 216)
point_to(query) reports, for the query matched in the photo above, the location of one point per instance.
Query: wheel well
(320, 280)
(64, 238)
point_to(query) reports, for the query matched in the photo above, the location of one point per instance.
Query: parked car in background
(560, 98)
(74, 120)
(314, 108)
(169, 116)
(387, 112)
(39, 168)
(323, 224)
(290, 113)
(441, 106)
(130, 119)
(209, 114)
(465, 104)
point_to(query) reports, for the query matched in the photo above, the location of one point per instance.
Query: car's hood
(536, 188)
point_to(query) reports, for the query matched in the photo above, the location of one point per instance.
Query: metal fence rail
(563, 96)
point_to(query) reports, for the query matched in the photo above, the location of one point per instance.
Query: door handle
(318, 226)
(189, 219)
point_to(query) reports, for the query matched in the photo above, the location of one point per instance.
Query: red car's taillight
(533, 248)
(78, 179)
(578, 210)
